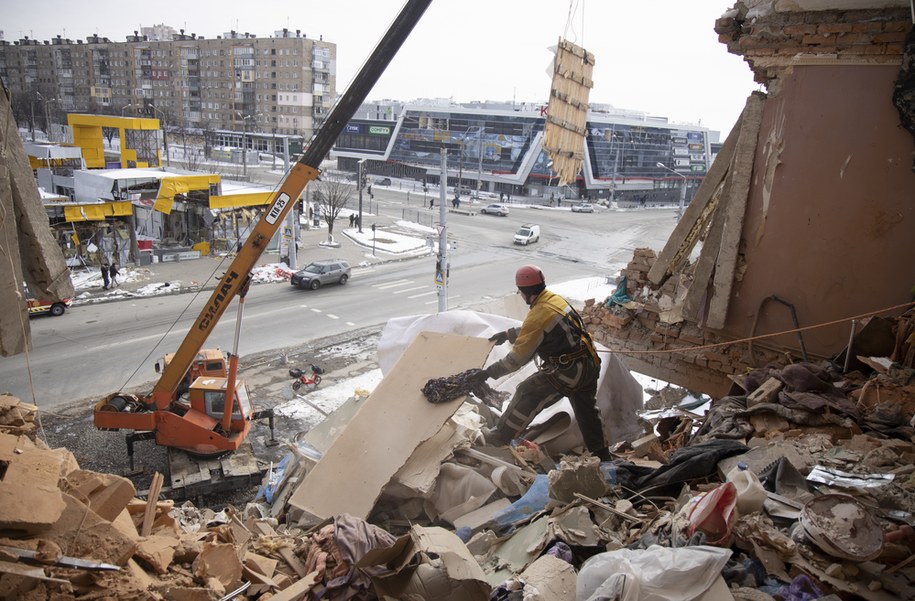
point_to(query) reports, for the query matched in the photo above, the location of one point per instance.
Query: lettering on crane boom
(278, 205)
(217, 301)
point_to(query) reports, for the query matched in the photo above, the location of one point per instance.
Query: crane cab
(208, 396)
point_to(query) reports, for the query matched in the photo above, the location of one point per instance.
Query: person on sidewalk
(431, 202)
(114, 273)
(569, 367)
(105, 274)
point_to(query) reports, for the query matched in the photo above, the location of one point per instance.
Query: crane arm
(305, 170)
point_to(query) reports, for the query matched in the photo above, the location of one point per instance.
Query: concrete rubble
(824, 508)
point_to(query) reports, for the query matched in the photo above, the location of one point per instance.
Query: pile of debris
(800, 487)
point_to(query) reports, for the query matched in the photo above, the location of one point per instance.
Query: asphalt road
(113, 346)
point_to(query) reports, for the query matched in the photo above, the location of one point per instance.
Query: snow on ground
(329, 398)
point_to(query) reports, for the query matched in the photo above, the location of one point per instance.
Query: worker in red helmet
(569, 366)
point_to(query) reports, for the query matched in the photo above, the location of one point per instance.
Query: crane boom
(305, 170)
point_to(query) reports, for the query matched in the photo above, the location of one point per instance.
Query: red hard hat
(529, 275)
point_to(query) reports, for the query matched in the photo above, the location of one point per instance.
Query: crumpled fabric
(333, 552)
(688, 463)
(443, 390)
(805, 386)
(726, 418)
(801, 588)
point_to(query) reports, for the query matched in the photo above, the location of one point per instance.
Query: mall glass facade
(503, 150)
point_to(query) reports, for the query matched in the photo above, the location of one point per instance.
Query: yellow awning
(171, 186)
(233, 201)
(97, 212)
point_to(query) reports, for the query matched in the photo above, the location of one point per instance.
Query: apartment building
(282, 84)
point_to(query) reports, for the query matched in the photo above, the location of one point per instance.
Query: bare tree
(332, 196)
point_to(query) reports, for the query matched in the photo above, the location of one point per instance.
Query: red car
(45, 307)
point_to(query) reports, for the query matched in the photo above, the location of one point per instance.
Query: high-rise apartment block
(283, 84)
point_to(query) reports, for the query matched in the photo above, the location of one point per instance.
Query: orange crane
(218, 416)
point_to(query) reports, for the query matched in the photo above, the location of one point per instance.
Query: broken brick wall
(649, 339)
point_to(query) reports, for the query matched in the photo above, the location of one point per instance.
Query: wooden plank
(695, 217)
(149, 515)
(739, 191)
(265, 529)
(705, 266)
(297, 589)
(387, 428)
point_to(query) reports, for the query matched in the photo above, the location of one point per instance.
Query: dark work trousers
(578, 381)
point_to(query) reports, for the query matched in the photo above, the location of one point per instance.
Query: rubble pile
(800, 485)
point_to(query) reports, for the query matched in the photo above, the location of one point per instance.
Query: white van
(527, 234)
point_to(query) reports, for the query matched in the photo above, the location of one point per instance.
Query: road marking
(423, 294)
(332, 316)
(349, 323)
(316, 310)
(304, 306)
(393, 284)
(410, 289)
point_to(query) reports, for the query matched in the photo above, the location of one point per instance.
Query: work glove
(499, 337)
(476, 376)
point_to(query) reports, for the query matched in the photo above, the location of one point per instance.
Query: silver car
(495, 209)
(583, 207)
(315, 275)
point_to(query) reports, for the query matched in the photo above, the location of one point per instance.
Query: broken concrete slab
(106, 494)
(387, 428)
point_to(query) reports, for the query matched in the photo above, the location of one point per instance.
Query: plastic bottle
(750, 493)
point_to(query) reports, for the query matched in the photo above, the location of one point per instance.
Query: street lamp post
(164, 132)
(47, 114)
(682, 188)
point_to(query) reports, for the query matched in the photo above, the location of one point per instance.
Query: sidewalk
(393, 241)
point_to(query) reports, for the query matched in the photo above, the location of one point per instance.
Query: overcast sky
(658, 56)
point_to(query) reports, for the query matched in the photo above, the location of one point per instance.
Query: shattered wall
(830, 208)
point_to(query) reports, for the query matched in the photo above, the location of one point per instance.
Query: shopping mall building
(627, 156)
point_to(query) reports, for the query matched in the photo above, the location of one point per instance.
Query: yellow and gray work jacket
(553, 331)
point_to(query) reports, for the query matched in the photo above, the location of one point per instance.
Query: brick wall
(651, 338)
(769, 42)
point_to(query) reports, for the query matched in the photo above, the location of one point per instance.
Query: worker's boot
(604, 454)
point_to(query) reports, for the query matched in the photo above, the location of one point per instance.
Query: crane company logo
(277, 209)
(224, 287)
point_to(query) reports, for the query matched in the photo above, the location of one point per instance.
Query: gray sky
(658, 56)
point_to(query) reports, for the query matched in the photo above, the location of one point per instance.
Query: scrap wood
(149, 515)
(297, 589)
(285, 552)
(736, 203)
(7, 567)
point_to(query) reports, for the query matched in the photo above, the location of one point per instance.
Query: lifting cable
(758, 337)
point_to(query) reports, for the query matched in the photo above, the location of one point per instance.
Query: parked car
(528, 234)
(385, 181)
(495, 209)
(47, 307)
(583, 207)
(315, 275)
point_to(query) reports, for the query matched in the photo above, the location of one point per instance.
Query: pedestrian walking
(352, 219)
(105, 275)
(431, 202)
(114, 273)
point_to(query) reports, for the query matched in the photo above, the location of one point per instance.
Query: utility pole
(441, 270)
(480, 162)
(360, 175)
(293, 219)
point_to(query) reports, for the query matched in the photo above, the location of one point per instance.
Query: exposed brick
(903, 26)
(764, 51)
(894, 48)
(701, 360)
(715, 365)
(615, 321)
(854, 38)
(871, 26)
(818, 38)
(800, 29)
(890, 37)
(834, 27)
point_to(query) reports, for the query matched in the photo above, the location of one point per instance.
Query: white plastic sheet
(653, 574)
